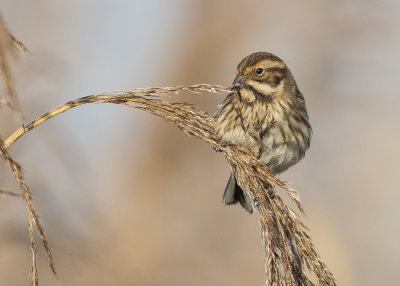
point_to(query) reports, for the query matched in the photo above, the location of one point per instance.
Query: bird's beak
(238, 81)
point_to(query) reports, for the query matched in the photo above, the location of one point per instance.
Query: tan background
(127, 199)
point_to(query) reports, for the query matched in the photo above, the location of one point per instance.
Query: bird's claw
(220, 148)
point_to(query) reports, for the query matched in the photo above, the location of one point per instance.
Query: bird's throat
(249, 95)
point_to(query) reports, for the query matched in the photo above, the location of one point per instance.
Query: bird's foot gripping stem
(221, 147)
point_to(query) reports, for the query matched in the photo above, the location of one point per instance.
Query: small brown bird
(267, 114)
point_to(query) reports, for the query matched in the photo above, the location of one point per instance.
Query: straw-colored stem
(108, 97)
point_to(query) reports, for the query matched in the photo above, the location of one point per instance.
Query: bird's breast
(243, 123)
(272, 131)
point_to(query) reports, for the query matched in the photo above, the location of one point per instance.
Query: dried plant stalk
(32, 215)
(289, 249)
(7, 46)
(9, 193)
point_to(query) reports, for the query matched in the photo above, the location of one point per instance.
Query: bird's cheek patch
(274, 79)
(262, 87)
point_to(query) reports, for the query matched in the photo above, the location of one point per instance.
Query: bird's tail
(234, 194)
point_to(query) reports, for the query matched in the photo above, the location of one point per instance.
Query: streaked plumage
(267, 114)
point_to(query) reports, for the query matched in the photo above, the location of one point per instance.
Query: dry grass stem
(9, 193)
(7, 44)
(7, 48)
(19, 45)
(289, 249)
(32, 215)
(111, 97)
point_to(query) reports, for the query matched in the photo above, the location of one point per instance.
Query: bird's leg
(217, 149)
(220, 147)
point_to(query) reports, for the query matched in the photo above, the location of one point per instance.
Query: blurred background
(127, 199)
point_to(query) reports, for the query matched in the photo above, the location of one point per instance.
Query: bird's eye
(259, 71)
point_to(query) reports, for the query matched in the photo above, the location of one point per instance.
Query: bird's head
(265, 74)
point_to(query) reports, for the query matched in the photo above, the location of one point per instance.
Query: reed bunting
(266, 113)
